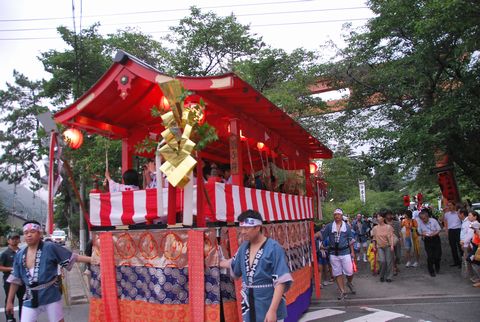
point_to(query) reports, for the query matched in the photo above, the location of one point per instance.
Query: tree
(417, 62)
(139, 45)
(78, 67)
(21, 136)
(284, 78)
(205, 44)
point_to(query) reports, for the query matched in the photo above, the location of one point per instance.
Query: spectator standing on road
(6, 266)
(383, 236)
(261, 263)
(468, 244)
(341, 253)
(463, 215)
(397, 246)
(36, 267)
(410, 239)
(472, 258)
(453, 223)
(429, 228)
(360, 227)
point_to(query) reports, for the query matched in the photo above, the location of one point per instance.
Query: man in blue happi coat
(262, 265)
(36, 267)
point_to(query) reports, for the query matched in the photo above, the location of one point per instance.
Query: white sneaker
(327, 283)
(408, 264)
(358, 258)
(415, 264)
(364, 258)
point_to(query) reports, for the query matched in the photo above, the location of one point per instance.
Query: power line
(172, 20)
(264, 25)
(163, 10)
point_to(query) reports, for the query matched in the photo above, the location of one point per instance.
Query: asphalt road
(464, 309)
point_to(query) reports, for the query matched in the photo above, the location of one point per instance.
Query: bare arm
(107, 175)
(11, 297)
(84, 259)
(277, 297)
(226, 263)
(6, 269)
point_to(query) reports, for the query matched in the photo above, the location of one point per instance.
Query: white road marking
(377, 316)
(15, 308)
(310, 316)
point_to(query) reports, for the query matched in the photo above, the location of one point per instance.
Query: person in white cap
(340, 241)
(262, 265)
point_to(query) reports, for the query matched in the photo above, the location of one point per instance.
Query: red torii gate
(443, 166)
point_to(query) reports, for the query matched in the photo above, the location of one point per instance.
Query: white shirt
(429, 228)
(465, 228)
(469, 234)
(453, 222)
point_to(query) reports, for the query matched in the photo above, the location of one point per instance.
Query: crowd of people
(387, 240)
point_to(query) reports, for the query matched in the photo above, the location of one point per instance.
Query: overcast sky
(28, 27)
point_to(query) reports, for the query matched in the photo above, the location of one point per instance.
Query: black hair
(464, 212)
(250, 214)
(408, 213)
(424, 211)
(383, 213)
(474, 213)
(31, 222)
(130, 177)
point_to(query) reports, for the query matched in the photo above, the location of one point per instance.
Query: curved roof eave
(95, 113)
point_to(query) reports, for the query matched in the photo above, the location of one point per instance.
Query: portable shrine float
(156, 251)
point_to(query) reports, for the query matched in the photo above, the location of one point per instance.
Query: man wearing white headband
(36, 267)
(261, 263)
(340, 248)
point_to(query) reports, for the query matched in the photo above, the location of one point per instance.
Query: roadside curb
(351, 301)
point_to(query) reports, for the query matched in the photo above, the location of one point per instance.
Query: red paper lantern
(73, 137)
(260, 146)
(406, 200)
(313, 167)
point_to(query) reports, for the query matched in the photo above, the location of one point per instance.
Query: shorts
(54, 312)
(341, 264)
(408, 242)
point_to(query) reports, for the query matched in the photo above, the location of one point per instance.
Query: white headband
(31, 226)
(250, 222)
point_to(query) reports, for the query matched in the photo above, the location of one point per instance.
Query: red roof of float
(119, 106)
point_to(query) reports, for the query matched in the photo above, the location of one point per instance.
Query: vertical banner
(361, 188)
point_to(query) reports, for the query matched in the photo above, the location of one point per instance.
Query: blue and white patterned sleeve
(281, 273)
(15, 277)
(65, 257)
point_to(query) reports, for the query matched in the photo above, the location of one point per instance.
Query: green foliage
(78, 67)
(21, 138)
(417, 61)
(138, 44)
(206, 44)
(204, 135)
(375, 201)
(284, 78)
